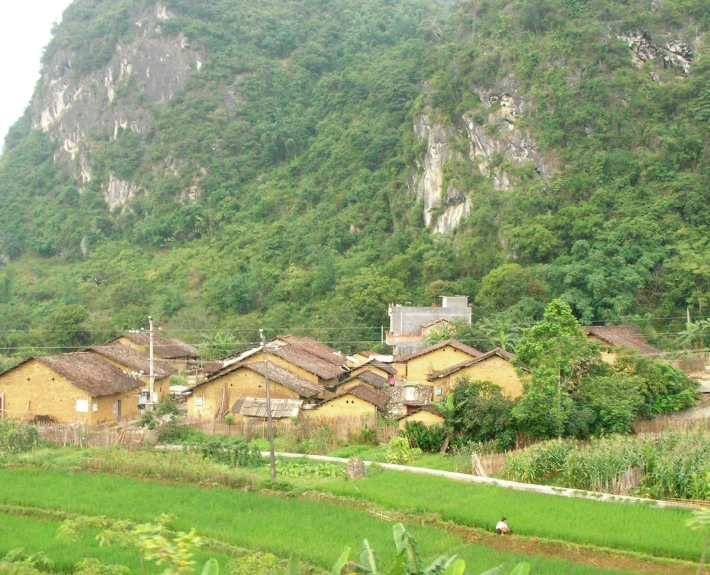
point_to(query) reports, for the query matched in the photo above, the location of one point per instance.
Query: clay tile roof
(134, 360)
(377, 398)
(507, 356)
(256, 407)
(623, 335)
(284, 377)
(387, 368)
(91, 373)
(305, 360)
(449, 342)
(370, 378)
(164, 347)
(429, 407)
(315, 348)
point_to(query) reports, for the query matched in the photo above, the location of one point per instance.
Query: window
(82, 405)
(199, 401)
(409, 393)
(94, 407)
(438, 391)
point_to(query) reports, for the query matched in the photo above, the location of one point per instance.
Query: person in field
(502, 527)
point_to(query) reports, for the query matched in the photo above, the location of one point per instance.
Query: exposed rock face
(72, 108)
(119, 192)
(673, 54)
(496, 139)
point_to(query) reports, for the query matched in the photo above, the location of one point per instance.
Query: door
(118, 410)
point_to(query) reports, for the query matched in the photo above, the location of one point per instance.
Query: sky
(25, 28)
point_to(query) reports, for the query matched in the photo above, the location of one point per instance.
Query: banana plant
(408, 561)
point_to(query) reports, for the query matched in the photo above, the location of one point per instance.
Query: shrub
(428, 439)
(306, 468)
(231, 451)
(399, 450)
(16, 438)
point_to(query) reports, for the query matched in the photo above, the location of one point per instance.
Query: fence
(670, 423)
(82, 435)
(303, 428)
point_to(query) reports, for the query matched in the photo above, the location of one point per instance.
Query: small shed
(427, 415)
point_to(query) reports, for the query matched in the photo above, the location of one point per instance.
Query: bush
(399, 450)
(306, 468)
(428, 439)
(17, 438)
(231, 451)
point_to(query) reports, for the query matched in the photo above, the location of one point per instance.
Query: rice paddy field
(319, 530)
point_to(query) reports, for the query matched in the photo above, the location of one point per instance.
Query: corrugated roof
(303, 359)
(256, 407)
(507, 356)
(134, 360)
(377, 398)
(623, 335)
(91, 373)
(164, 347)
(316, 348)
(449, 342)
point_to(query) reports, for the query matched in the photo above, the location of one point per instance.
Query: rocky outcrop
(119, 192)
(673, 53)
(495, 144)
(73, 108)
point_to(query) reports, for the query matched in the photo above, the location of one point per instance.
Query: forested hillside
(300, 164)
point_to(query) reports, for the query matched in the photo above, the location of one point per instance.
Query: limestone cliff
(77, 110)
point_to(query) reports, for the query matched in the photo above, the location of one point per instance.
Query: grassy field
(318, 531)
(659, 532)
(39, 535)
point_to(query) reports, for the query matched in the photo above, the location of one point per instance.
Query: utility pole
(151, 387)
(269, 422)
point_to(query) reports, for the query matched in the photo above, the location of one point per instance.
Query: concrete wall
(409, 320)
(494, 369)
(235, 385)
(425, 417)
(35, 389)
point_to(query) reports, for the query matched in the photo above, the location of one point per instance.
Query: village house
(302, 356)
(76, 387)
(494, 366)
(616, 337)
(410, 325)
(365, 377)
(358, 402)
(427, 415)
(417, 367)
(408, 398)
(170, 349)
(137, 364)
(213, 398)
(384, 370)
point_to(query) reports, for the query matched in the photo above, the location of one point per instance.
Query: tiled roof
(305, 360)
(164, 347)
(134, 360)
(91, 373)
(507, 356)
(377, 398)
(256, 407)
(429, 407)
(449, 342)
(387, 368)
(370, 378)
(623, 335)
(315, 348)
(284, 377)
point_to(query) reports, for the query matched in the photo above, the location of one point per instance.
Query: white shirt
(502, 525)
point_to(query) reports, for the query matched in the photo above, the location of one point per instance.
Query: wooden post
(2, 405)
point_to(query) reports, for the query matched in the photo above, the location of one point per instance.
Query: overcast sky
(25, 28)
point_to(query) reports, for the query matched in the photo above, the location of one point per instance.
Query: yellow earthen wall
(417, 369)
(238, 384)
(49, 393)
(161, 386)
(494, 369)
(344, 406)
(425, 417)
(607, 356)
